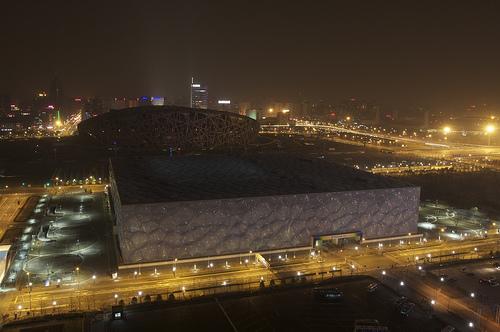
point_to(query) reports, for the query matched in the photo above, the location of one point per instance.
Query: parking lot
(74, 234)
(439, 219)
(281, 310)
(478, 281)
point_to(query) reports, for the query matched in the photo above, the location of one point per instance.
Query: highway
(422, 147)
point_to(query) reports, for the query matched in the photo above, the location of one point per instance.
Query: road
(100, 293)
(470, 154)
(85, 293)
(10, 206)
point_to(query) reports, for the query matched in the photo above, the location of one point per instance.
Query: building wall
(116, 203)
(162, 231)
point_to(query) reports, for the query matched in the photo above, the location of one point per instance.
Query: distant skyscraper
(119, 103)
(199, 95)
(4, 104)
(158, 101)
(224, 105)
(56, 93)
(148, 100)
(144, 101)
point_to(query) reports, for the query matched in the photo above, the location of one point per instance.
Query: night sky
(439, 54)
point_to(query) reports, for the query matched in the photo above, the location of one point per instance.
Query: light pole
(446, 131)
(140, 295)
(78, 285)
(29, 291)
(77, 270)
(489, 130)
(94, 277)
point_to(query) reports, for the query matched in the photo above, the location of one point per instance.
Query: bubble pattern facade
(188, 229)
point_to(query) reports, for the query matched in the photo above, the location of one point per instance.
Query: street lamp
(446, 130)
(472, 295)
(78, 277)
(433, 302)
(489, 130)
(402, 283)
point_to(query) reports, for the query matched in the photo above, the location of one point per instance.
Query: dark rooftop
(204, 177)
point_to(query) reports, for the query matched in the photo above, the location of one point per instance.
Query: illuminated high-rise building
(199, 95)
(155, 101)
(56, 93)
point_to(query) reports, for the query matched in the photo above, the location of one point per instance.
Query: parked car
(372, 287)
(400, 301)
(328, 294)
(406, 308)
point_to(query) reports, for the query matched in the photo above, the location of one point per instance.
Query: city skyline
(438, 55)
(250, 165)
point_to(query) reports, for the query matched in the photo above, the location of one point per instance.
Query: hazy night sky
(401, 53)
